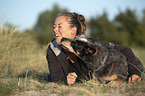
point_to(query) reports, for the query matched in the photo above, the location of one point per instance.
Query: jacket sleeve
(134, 64)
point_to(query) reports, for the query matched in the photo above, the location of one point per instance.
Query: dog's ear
(90, 50)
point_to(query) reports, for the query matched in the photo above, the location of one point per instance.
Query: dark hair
(76, 20)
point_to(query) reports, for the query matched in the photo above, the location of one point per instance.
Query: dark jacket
(60, 65)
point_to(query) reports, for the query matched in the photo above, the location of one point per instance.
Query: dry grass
(23, 67)
(19, 52)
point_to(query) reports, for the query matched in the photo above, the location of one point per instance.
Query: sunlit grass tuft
(19, 52)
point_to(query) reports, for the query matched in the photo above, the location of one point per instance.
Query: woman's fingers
(134, 78)
(71, 78)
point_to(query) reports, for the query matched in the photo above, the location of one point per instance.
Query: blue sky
(24, 13)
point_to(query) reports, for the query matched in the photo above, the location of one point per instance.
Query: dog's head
(79, 46)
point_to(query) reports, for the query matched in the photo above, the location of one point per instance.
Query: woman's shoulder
(49, 44)
(54, 47)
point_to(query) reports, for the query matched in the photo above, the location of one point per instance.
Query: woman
(61, 68)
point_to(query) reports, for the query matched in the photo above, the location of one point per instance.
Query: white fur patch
(83, 39)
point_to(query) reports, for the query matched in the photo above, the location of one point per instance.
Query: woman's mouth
(57, 35)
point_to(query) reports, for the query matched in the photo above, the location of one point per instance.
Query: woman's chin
(58, 40)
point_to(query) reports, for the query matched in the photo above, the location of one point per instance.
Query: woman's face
(61, 28)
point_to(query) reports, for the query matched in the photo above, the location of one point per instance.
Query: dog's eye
(79, 47)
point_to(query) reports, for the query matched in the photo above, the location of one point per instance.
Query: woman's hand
(71, 78)
(134, 78)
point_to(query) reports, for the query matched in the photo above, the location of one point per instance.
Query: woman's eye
(53, 27)
(59, 26)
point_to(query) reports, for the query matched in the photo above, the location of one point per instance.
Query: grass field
(23, 67)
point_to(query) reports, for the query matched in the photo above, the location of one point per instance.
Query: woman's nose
(55, 30)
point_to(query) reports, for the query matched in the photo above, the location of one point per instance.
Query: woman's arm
(135, 67)
(134, 64)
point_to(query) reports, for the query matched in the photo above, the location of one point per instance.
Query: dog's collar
(102, 64)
